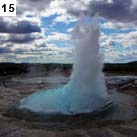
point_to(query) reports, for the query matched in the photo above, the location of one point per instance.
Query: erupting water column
(86, 90)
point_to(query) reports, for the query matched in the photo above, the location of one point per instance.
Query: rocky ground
(14, 88)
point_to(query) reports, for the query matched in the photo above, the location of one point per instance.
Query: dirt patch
(13, 90)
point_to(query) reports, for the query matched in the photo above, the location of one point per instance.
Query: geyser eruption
(86, 90)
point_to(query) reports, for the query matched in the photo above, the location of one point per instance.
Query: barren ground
(14, 88)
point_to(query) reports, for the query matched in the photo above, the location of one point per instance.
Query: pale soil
(13, 89)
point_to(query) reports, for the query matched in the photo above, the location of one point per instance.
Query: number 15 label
(7, 7)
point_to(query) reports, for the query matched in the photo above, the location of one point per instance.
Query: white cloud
(55, 7)
(127, 40)
(103, 36)
(74, 4)
(111, 43)
(118, 25)
(51, 53)
(56, 36)
(65, 18)
(107, 43)
(134, 4)
(34, 6)
(39, 50)
(70, 30)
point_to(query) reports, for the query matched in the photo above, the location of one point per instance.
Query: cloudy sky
(41, 31)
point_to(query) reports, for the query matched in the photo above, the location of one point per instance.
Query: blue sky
(41, 31)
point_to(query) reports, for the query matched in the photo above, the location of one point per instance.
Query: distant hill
(16, 68)
(120, 67)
